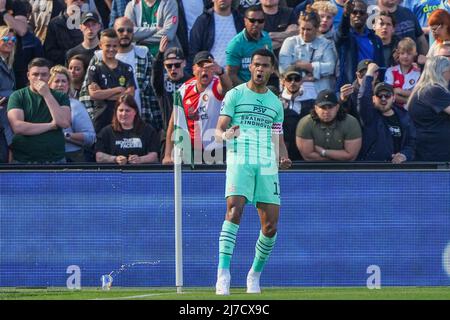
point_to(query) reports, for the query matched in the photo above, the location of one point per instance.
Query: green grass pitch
(270, 293)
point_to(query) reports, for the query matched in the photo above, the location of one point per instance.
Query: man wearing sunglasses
(388, 131)
(240, 49)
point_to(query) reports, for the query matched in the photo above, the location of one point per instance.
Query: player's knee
(234, 214)
(269, 229)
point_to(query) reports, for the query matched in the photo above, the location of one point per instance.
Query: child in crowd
(404, 76)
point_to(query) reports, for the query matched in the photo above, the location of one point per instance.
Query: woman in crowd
(81, 133)
(7, 85)
(128, 139)
(429, 108)
(315, 55)
(439, 22)
(78, 65)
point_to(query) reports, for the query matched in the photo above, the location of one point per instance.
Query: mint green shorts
(253, 182)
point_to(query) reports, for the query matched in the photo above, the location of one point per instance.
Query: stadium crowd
(110, 80)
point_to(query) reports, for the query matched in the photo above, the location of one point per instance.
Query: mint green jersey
(258, 116)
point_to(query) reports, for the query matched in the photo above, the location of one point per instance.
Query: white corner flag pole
(178, 219)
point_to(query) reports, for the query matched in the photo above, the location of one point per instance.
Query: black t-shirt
(406, 24)
(393, 124)
(280, 21)
(105, 78)
(15, 8)
(79, 49)
(127, 142)
(432, 123)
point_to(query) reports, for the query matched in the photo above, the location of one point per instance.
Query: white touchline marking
(137, 297)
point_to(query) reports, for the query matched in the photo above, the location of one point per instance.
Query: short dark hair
(265, 53)
(254, 8)
(39, 62)
(109, 33)
(387, 14)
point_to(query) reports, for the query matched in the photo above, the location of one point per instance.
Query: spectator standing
(198, 103)
(314, 54)
(42, 12)
(153, 19)
(429, 107)
(213, 30)
(37, 116)
(13, 14)
(78, 65)
(81, 132)
(242, 46)
(107, 80)
(297, 103)
(168, 76)
(328, 133)
(327, 11)
(384, 28)
(406, 25)
(388, 131)
(355, 42)
(7, 85)
(63, 35)
(280, 23)
(90, 26)
(117, 10)
(127, 139)
(439, 22)
(404, 76)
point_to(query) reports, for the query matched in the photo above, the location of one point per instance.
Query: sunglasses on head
(170, 65)
(384, 96)
(252, 20)
(293, 78)
(6, 38)
(121, 30)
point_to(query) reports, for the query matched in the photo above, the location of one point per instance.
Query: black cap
(363, 64)
(292, 69)
(383, 86)
(326, 98)
(89, 15)
(203, 56)
(173, 53)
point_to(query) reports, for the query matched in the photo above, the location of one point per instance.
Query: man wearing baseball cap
(199, 100)
(388, 131)
(90, 26)
(328, 133)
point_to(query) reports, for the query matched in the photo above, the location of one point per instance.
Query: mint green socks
(227, 241)
(263, 248)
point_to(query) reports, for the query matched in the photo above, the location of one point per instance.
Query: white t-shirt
(192, 9)
(225, 31)
(129, 58)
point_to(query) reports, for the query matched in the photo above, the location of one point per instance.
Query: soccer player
(251, 122)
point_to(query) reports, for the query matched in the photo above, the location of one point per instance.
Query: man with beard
(328, 133)
(355, 42)
(200, 99)
(139, 58)
(90, 26)
(388, 131)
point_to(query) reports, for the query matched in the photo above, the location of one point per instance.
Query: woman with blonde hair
(7, 85)
(81, 133)
(429, 108)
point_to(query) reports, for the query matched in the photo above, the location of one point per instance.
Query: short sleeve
(304, 128)
(92, 75)
(15, 101)
(232, 55)
(389, 77)
(130, 77)
(103, 141)
(352, 128)
(437, 98)
(152, 139)
(228, 104)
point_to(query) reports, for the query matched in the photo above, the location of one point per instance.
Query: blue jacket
(377, 142)
(203, 32)
(347, 47)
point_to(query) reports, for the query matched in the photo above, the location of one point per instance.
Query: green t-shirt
(256, 114)
(44, 147)
(332, 136)
(240, 49)
(149, 21)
